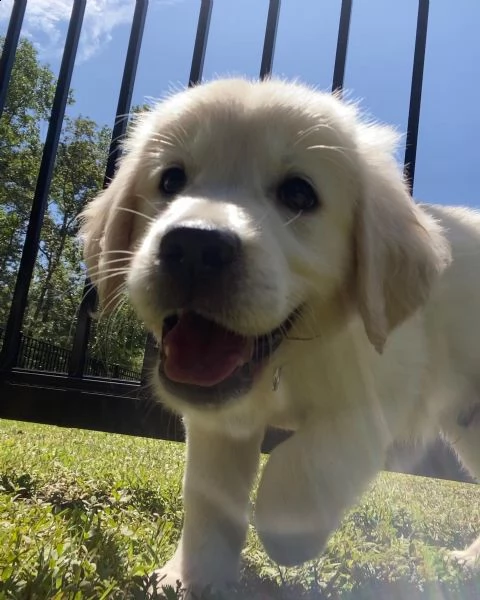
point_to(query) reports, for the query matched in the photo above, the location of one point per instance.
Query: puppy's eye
(173, 181)
(297, 194)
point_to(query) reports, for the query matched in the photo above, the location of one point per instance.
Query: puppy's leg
(311, 479)
(466, 442)
(218, 478)
(470, 557)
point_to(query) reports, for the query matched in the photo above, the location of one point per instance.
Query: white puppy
(268, 240)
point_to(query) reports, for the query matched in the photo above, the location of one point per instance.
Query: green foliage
(89, 515)
(59, 275)
(29, 97)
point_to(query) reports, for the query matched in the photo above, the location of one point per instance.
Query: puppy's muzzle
(204, 359)
(192, 255)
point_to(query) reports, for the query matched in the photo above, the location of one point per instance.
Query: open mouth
(201, 360)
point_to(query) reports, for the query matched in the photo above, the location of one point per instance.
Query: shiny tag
(276, 379)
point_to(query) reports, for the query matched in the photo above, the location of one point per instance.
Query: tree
(57, 284)
(30, 96)
(77, 178)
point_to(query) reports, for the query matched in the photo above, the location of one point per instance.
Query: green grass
(89, 515)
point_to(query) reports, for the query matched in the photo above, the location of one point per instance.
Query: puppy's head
(243, 210)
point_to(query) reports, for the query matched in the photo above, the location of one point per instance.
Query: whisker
(149, 202)
(103, 252)
(293, 219)
(92, 287)
(109, 274)
(122, 286)
(301, 339)
(108, 262)
(104, 336)
(328, 150)
(113, 299)
(266, 214)
(135, 212)
(310, 130)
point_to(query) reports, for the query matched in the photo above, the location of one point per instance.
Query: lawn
(88, 515)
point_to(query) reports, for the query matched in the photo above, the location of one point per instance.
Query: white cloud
(46, 22)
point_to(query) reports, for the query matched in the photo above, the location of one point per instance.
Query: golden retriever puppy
(266, 237)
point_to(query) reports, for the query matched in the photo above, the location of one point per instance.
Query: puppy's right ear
(106, 231)
(400, 250)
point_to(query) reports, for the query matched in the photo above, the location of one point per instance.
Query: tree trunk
(43, 307)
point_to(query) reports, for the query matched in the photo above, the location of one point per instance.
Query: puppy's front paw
(466, 558)
(292, 549)
(168, 576)
(290, 532)
(290, 517)
(172, 575)
(470, 557)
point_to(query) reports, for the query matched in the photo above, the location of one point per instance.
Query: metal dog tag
(276, 378)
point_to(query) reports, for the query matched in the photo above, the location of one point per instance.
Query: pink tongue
(200, 352)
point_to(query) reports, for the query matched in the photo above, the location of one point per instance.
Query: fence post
(10, 49)
(342, 46)
(270, 39)
(416, 92)
(10, 348)
(76, 365)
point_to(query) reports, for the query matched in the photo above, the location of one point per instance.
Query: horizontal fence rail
(37, 355)
(45, 383)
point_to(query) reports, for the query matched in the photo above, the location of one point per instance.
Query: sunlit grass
(90, 515)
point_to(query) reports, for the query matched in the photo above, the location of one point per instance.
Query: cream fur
(390, 291)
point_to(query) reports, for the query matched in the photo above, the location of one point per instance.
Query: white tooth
(166, 351)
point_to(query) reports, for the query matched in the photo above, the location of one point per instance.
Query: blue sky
(378, 65)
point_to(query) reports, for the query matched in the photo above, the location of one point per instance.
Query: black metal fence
(38, 355)
(73, 397)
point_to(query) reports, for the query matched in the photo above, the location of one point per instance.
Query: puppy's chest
(330, 381)
(300, 395)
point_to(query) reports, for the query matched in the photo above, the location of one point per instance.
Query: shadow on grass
(258, 589)
(376, 590)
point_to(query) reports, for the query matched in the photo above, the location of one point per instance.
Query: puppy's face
(234, 219)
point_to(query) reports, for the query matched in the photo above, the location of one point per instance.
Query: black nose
(198, 254)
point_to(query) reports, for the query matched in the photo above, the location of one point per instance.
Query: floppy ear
(106, 230)
(400, 249)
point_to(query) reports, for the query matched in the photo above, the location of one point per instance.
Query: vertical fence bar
(149, 357)
(89, 297)
(196, 72)
(270, 39)
(416, 93)
(201, 40)
(10, 348)
(10, 48)
(342, 46)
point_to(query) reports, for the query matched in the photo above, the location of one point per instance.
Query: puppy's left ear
(400, 249)
(106, 230)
